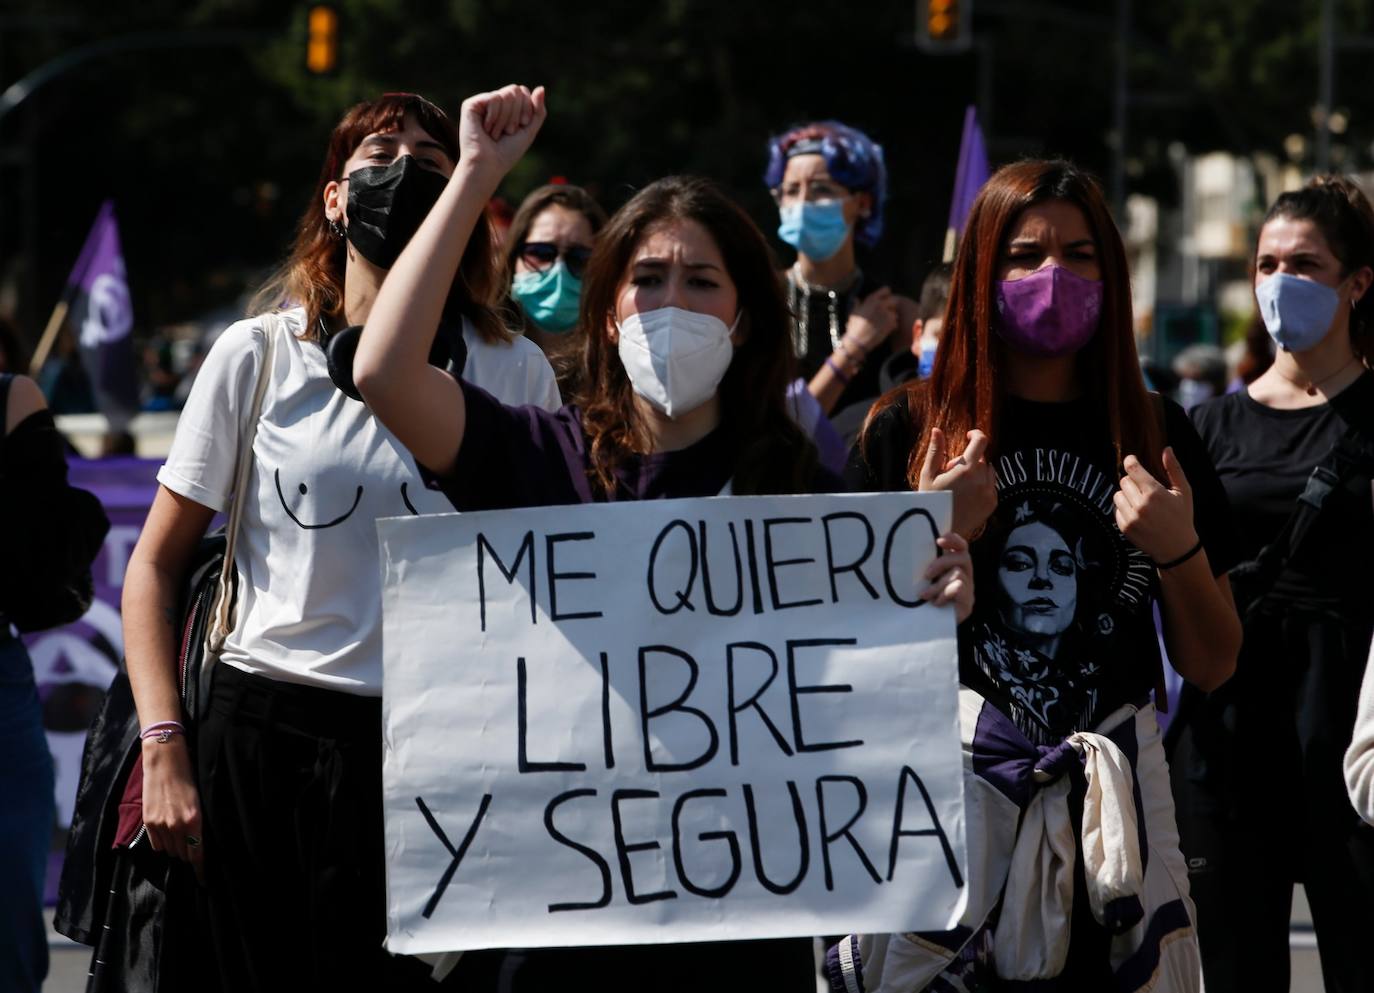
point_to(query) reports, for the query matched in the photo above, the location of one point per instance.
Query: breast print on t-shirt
(1058, 585)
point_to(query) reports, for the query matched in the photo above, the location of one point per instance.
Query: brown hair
(1342, 213)
(564, 352)
(965, 388)
(771, 453)
(313, 274)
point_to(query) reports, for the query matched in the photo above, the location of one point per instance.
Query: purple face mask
(1049, 313)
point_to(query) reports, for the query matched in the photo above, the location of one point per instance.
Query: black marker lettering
(522, 731)
(683, 596)
(605, 898)
(827, 836)
(432, 904)
(734, 708)
(484, 549)
(794, 691)
(711, 604)
(622, 850)
(729, 837)
(887, 553)
(856, 566)
(550, 543)
(753, 555)
(774, 565)
(935, 828)
(676, 706)
(803, 841)
(606, 712)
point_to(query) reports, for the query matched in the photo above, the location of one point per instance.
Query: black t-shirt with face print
(1063, 630)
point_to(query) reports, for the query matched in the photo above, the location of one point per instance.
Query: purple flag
(969, 177)
(103, 317)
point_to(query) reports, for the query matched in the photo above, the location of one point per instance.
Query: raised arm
(422, 405)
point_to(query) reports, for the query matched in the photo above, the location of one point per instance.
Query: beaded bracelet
(162, 731)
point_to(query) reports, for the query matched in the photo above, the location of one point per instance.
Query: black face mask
(449, 352)
(386, 205)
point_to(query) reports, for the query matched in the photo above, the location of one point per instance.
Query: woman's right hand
(496, 129)
(968, 476)
(171, 802)
(872, 320)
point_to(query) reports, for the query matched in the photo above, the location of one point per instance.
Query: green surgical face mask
(550, 298)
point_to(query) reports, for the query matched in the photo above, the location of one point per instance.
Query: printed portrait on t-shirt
(1056, 581)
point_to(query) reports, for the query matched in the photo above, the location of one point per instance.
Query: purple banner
(103, 317)
(971, 173)
(73, 665)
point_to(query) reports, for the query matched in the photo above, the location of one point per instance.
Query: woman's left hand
(951, 577)
(1158, 519)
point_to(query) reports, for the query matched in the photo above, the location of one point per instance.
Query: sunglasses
(540, 255)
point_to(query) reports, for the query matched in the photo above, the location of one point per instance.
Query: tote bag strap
(222, 619)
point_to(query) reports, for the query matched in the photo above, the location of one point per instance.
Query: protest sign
(678, 720)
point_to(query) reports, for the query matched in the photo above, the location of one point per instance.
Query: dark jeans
(27, 813)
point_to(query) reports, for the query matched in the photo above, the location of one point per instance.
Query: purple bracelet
(162, 731)
(834, 367)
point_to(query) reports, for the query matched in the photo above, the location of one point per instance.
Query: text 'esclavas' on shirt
(1062, 631)
(324, 470)
(1264, 457)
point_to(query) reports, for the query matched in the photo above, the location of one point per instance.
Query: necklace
(799, 293)
(1311, 387)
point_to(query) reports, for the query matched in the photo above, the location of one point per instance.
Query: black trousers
(1262, 804)
(290, 783)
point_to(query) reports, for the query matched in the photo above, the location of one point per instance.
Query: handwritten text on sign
(679, 720)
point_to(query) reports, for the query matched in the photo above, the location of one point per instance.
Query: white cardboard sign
(660, 721)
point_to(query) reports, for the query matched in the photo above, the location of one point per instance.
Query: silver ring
(192, 841)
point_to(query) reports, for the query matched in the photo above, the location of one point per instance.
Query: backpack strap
(1347, 457)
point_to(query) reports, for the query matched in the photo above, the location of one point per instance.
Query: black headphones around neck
(448, 352)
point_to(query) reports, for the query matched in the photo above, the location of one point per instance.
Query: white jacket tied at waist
(1022, 849)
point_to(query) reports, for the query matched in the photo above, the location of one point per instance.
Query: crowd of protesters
(1217, 525)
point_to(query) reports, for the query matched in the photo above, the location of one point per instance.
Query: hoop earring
(336, 229)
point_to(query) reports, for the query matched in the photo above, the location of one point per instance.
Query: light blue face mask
(926, 362)
(1297, 312)
(817, 230)
(550, 298)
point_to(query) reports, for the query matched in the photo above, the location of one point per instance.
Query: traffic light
(321, 39)
(943, 25)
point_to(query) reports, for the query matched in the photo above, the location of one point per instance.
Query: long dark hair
(771, 453)
(966, 388)
(313, 274)
(573, 198)
(1342, 213)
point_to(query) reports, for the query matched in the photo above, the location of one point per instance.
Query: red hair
(966, 387)
(313, 274)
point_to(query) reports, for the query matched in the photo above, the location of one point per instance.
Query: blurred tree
(211, 152)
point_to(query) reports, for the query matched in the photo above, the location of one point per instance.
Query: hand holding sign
(951, 577)
(672, 720)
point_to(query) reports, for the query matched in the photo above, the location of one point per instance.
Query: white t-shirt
(324, 469)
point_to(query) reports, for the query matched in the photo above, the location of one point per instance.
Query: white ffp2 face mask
(675, 358)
